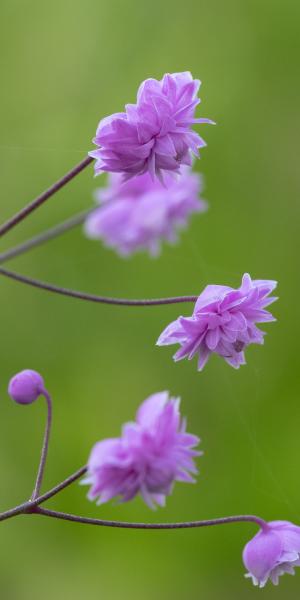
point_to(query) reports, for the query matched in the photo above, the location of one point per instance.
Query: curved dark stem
(127, 525)
(29, 505)
(61, 486)
(45, 447)
(92, 297)
(17, 510)
(33, 507)
(22, 214)
(45, 236)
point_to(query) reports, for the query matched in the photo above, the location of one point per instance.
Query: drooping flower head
(139, 213)
(153, 135)
(273, 552)
(223, 322)
(151, 454)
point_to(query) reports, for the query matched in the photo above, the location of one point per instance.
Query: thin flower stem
(128, 525)
(45, 236)
(40, 474)
(22, 214)
(33, 507)
(30, 504)
(61, 486)
(17, 510)
(92, 297)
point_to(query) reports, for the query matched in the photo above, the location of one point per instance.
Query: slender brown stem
(45, 236)
(92, 297)
(22, 214)
(33, 507)
(30, 504)
(40, 474)
(128, 525)
(61, 486)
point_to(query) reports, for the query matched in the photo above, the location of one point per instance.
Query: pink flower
(223, 322)
(273, 552)
(140, 213)
(151, 454)
(153, 135)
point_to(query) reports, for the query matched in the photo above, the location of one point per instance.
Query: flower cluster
(147, 459)
(154, 135)
(150, 196)
(139, 213)
(223, 322)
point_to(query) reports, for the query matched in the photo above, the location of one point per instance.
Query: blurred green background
(65, 65)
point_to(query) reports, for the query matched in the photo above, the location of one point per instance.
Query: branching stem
(29, 208)
(45, 236)
(92, 297)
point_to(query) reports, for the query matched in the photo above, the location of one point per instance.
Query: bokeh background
(65, 65)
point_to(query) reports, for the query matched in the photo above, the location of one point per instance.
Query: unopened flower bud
(25, 387)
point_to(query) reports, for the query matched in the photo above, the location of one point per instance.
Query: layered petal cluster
(223, 322)
(139, 213)
(151, 454)
(273, 552)
(154, 135)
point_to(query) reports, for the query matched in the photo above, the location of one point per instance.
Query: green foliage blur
(65, 65)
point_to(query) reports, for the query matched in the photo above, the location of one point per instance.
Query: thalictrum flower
(223, 322)
(273, 552)
(139, 213)
(150, 455)
(155, 134)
